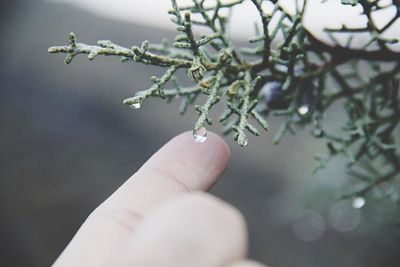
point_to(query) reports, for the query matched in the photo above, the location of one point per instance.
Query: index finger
(179, 166)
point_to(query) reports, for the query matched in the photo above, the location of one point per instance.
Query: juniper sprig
(285, 71)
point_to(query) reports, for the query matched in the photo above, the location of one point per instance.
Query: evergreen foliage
(285, 71)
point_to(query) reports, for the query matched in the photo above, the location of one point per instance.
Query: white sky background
(154, 13)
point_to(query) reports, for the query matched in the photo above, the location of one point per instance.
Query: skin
(162, 217)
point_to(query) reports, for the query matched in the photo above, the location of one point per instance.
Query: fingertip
(213, 142)
(209, 158)
(197, 165)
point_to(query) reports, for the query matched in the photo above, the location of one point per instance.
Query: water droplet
(303, 110)
(358, 202)
(136, 105)
(200, 135)
(243, 141)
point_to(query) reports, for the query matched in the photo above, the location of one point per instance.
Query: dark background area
(67, 142)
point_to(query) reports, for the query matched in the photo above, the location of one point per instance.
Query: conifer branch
(298, 79)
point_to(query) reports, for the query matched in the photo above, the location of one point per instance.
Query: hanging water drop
(358, 202)
(136, 105)
(303, 110)
(200, 135)
(243, 141)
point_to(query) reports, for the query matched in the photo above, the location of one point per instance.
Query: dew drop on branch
(244, 141)
(358, 202)
(136, 105)
(303, 110)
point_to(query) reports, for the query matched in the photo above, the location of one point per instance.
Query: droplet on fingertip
(358, 202)
(200, 135)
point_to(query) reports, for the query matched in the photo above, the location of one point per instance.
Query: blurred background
(67, 142)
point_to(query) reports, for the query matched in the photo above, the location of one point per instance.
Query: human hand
(160, 218)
